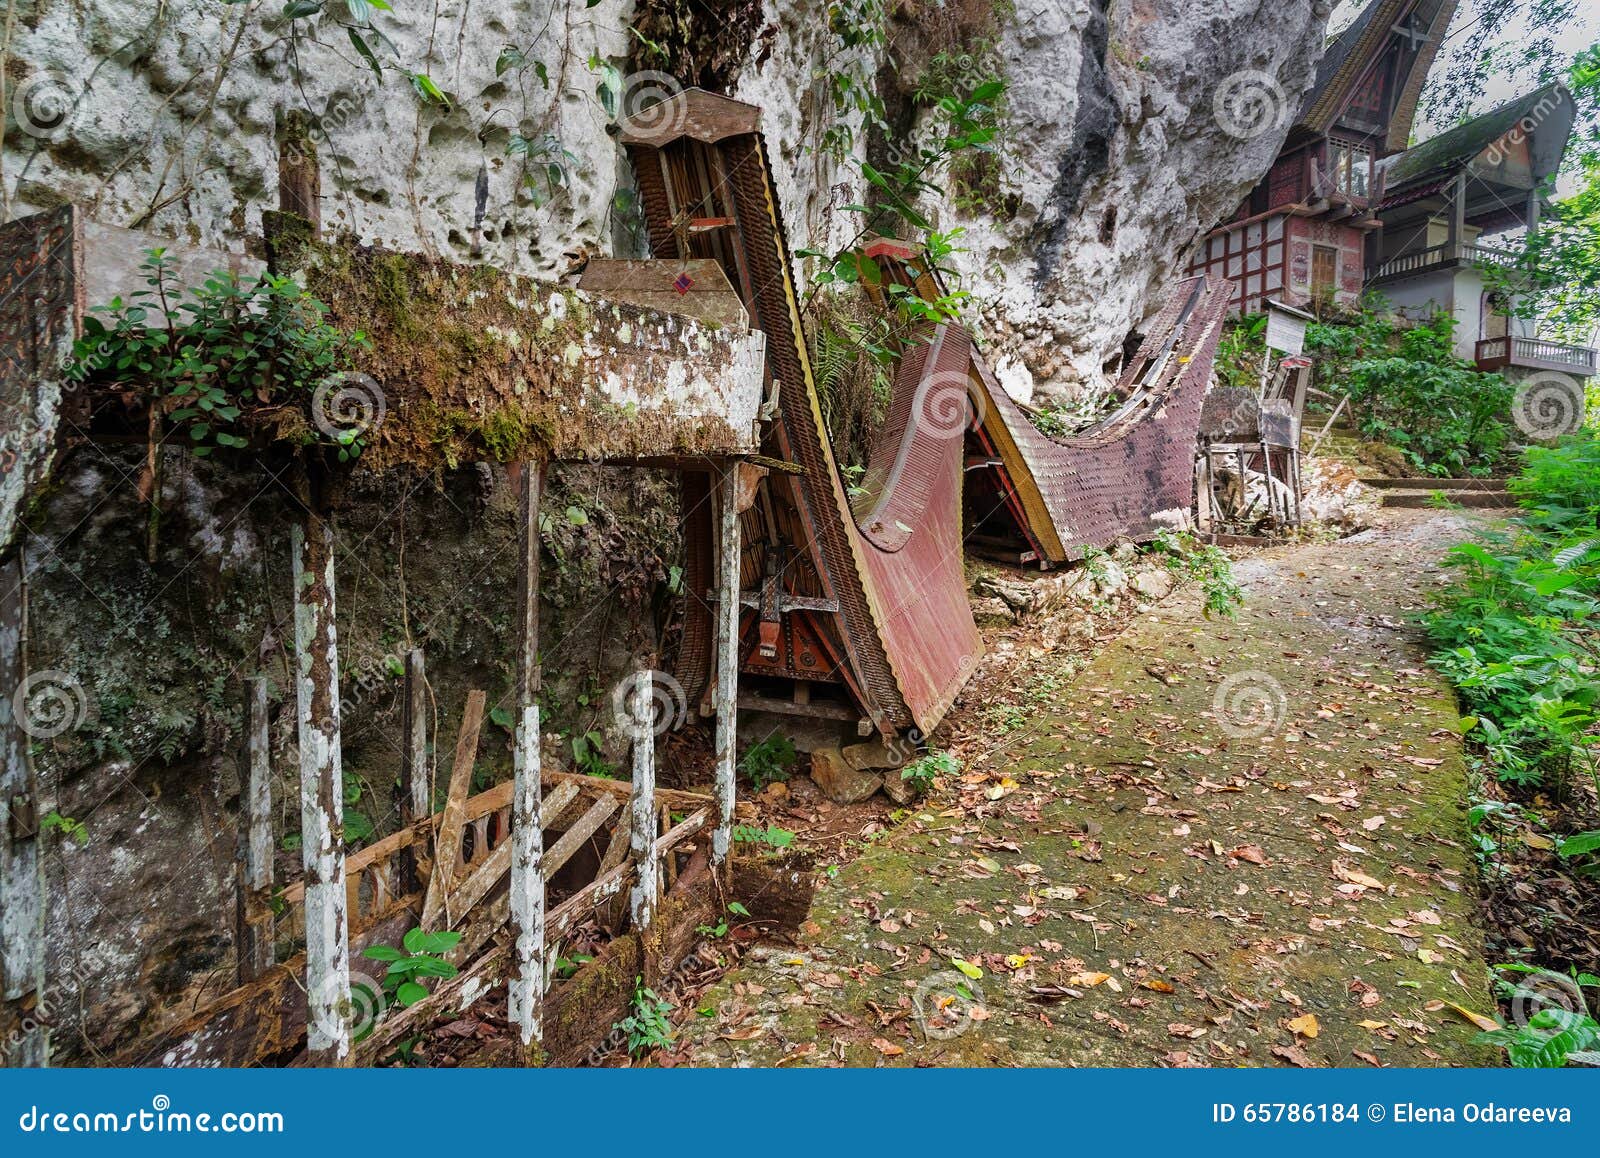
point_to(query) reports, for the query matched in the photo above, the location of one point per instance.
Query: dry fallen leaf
(1294, 1055)
(1250, 852)
(887, 1048)
(1482, 1022)
(1355, 876)
(1305, 1025)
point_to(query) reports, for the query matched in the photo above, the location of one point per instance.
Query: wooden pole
(321, 793)
(299, 176)
(727, 634)
(527, 982)
(416, 781)
(21, 881)
(254, 945)
(1458, 215)
(416, 771)
(642, 809)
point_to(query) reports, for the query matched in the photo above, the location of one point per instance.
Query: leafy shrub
(1552, 1038)
(421, 956)
(1445, 416)
(920, 773)
(228, 346)
(773, 837)
(1517, 626)
(1559, 486)
(1205, 564)
(647, 1026)
(769, 761)
(1406, 386)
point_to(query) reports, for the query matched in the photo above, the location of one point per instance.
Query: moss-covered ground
(1220, 843)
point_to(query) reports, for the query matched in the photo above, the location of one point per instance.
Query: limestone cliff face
(1112, 156)
(163, 116)
(1119, 160)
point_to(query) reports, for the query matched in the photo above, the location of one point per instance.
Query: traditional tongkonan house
(1304, 233)
(1443, 198)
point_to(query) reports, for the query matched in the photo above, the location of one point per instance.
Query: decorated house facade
(1443, 198)
(1306, 233)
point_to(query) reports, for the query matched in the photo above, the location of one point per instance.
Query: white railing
(1538, 350)
(1495, 353)
(1439, 256)
(1492, 255)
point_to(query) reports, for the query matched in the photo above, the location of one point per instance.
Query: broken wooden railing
(460, 859)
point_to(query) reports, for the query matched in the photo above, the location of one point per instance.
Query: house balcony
(1535, 354)
(1449, 255)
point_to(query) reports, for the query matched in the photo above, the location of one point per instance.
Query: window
(1351, 166)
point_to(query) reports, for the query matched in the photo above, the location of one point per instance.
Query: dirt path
(1218, 844)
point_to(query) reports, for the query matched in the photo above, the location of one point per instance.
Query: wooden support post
(727, 636)
(21, 881)
(1458, 215)
(416, 770)
(416, 774)
(527, 982)
(642, 808)
(253, 944)
(299, 177)
(321, 793)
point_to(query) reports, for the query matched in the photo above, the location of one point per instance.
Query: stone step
(1490, 485)
(1493, 500)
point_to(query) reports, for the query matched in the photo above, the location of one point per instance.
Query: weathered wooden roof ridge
(1353, 56)
(1542, 117)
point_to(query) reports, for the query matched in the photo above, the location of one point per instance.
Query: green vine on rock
(366, 38)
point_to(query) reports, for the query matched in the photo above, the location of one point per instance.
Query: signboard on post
(1286, 328)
